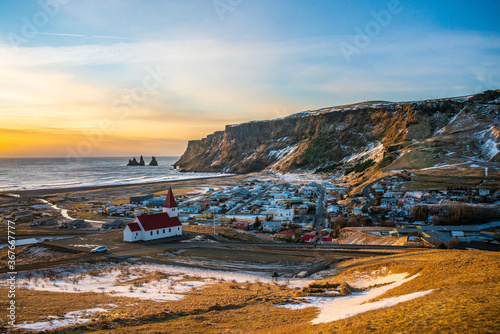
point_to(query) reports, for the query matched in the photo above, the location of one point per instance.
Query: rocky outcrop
(153, 162)
(133, 162)
(403, 135)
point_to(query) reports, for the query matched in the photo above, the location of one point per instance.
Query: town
(318, 211)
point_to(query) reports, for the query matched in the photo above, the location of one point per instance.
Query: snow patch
(69, 319)
(125, 280)
(490, 148)
(336, 308)
(374, 151)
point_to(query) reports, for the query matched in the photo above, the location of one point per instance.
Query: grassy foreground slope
(466, 299)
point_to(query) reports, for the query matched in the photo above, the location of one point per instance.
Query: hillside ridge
(392, 135)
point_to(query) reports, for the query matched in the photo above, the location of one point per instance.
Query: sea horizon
(19, 174)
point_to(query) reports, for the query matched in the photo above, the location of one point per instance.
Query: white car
(100, 249)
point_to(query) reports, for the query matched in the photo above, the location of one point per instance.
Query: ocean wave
(69, 183)
(130, 179)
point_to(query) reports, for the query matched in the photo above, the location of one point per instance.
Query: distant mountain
(388, 135)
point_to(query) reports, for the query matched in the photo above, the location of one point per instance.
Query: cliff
(408, 135)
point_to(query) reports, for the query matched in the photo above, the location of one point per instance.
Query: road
(114, 241)
(366, 193)
(64, 212)
(319, 223)
(253, 198)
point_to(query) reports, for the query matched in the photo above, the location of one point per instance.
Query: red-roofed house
(155, 226)
(326, 240)
(241, 225)
(285, 235)
(309, 237)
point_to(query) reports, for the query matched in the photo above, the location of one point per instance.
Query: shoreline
(49, 191)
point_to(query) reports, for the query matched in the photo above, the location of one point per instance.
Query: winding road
(366, 193)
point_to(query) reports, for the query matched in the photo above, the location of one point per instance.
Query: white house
(271, 226)
(283, 214)
(484, 192)
(155, 226)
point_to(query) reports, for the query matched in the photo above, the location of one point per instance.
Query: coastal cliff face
(393, 135)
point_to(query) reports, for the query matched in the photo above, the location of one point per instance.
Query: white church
(155, 226)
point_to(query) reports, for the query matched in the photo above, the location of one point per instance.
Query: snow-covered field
(69, 319)
(336, 308)
(156, 282)
(162, 283)
(165, 282)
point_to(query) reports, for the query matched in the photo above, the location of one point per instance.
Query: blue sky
(228, 61)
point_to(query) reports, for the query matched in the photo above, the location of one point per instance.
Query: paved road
(253, 198)
(116, 247)
(319, 223)
(366, 193)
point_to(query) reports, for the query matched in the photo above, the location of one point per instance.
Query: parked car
(100, 249)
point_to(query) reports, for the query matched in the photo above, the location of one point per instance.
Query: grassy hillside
(466, 299)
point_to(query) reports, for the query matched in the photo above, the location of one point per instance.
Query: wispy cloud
(86, 36)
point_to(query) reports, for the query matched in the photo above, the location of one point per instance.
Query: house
(280, 195)
(45, 221)
(336, 189)
(326, 240)
(77, 223)
(283, 214)
(139, 199)
(240, 191)
(309, 237)
(23, 217)
(271, 226)
(241, 225)
(412, 197)
(388, 201)
(155, 202)
(116, 224)
(155, 226)
(285, 235)
(300, 209)
(484, 192)
(357, 211)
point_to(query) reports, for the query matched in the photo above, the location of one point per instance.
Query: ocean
(48, 173)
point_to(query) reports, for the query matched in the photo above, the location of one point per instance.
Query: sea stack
(153, 162)
(132, 162)
(141, 162)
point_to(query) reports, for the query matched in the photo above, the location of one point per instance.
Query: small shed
(45, 221)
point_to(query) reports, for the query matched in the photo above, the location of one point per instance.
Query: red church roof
(170, 200)
(134, 227)
(157, 221)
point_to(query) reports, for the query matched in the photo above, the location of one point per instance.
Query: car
(100, 249)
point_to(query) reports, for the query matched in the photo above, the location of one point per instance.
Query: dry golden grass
(120, 201)
(35, 253)
(466, 299)
(228, 233)
(181, 191)
(32, 306)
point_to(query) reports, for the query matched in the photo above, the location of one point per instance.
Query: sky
(123, 78)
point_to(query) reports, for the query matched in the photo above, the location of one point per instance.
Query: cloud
(208, 83)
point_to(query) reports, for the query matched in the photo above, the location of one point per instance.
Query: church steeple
(170, 206)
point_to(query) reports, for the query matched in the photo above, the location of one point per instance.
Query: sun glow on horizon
(146, 77)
